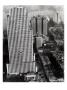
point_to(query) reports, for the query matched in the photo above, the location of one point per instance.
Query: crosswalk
(20, 42)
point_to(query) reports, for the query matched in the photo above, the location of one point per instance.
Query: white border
(31, 85)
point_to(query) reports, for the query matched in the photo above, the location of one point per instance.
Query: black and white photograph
(33, 43)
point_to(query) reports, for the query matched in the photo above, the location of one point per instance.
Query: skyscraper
(44, 26)
(20, 42)
(33, 25)
(39, 25)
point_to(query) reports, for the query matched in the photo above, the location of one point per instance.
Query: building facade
(20, 42)
(34, 25)
(39, 25)
(45, 26)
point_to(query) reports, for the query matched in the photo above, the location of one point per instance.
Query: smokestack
(57, 17)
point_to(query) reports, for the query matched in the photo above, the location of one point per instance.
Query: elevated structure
(44, 26)
(34, 25)
(20, 42)
(39, 25)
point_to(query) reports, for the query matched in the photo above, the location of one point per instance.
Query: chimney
(57, 17)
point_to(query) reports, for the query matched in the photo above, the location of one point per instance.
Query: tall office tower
(20, 42)
(33, 25)
(44, 26)
(39, 25)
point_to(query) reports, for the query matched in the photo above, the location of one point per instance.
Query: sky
(46, 10)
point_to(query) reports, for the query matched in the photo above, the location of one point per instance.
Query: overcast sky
(47, 10)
